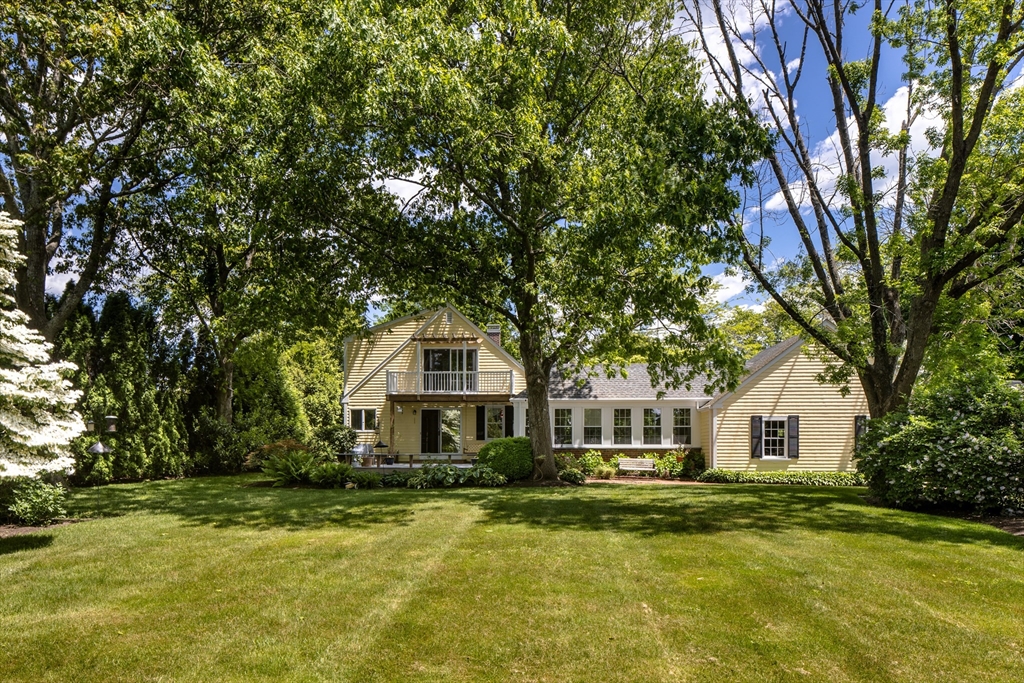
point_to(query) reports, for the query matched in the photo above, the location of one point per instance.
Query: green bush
(510, 457)
(397, 479)
(679, 464)
(366, 480)
(605, 471)
(590, 461)
(332, 475)
(33, 502)
(720, 476)
(482, 475)
(435, 477)
(960, 445)
(289, 467)
(572, 476)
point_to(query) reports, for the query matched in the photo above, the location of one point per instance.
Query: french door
(441, 430)
(449, 370)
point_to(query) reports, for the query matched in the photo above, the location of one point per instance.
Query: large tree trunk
(226, 390)
(537, 378)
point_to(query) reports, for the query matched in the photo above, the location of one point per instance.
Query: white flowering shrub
(37, 404)
(961, 447)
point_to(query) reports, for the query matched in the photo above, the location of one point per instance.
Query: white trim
(784, 419)
(714, 440)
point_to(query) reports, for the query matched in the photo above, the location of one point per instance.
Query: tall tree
(226, 247)
(37, 404)
(889, 232)
(570, 178)
(93, 98)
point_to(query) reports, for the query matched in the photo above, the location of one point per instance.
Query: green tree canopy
(570, 179)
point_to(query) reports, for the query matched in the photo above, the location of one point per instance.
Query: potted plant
(389, 460)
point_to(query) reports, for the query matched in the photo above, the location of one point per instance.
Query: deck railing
(452, 382)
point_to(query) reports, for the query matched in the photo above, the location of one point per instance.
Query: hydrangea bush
(961, 446)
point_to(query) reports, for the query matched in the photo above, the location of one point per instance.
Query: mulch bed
(8, 530)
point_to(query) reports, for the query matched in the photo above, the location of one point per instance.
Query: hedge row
(719, 476)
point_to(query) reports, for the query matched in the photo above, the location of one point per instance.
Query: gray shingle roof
(637, 383)
(770, 354)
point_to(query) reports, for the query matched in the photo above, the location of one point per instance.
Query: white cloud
(56, 282)
(729, 286)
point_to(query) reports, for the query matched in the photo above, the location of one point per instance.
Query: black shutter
(481, 423)
(860, 427)
(756, 442)
(793, 434)
(510, 416)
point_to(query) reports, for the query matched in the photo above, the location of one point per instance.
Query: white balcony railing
(452, 382)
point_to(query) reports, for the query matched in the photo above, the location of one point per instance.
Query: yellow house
(780, 417)
(431, 384)
(434, 385)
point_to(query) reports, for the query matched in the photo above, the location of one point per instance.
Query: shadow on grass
(643, 510)
(14, 544)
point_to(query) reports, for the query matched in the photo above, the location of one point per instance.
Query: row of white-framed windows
(681, 428)
(622, 426)
(592, 426)
(363, 419)
(563, 426)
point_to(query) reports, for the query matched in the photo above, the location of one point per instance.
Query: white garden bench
(637, 464)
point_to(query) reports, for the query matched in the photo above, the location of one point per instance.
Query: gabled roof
(430, 316)
(770, 355)
(761, 362)
(636, 385)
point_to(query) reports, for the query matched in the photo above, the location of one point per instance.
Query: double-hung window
(622, 426)
(364, 419)
(652, 426)
(592, 426)
(774, 437)
(563, 426)
(681, 429)
(495, 422)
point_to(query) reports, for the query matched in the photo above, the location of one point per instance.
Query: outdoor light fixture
(90, 426)
(99, 448)
(111, 423)
(400, 410)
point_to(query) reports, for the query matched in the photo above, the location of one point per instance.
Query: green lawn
(214, 579)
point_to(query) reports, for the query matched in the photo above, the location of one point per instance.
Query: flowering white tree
(37, 404)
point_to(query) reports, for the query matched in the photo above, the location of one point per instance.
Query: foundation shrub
(720, 476)
(510, 457)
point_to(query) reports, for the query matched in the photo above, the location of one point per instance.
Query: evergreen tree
(37, 404)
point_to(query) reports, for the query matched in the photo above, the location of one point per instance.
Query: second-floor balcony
(490, 383)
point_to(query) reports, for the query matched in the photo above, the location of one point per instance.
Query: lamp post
(379, 445)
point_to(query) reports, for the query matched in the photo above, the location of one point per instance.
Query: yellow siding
(790, 388)
(704, 419)
(365, 355)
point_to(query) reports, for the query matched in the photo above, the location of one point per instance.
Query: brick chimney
(494, 333)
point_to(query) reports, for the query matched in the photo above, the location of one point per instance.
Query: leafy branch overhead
(569, 178)
(889, 232)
